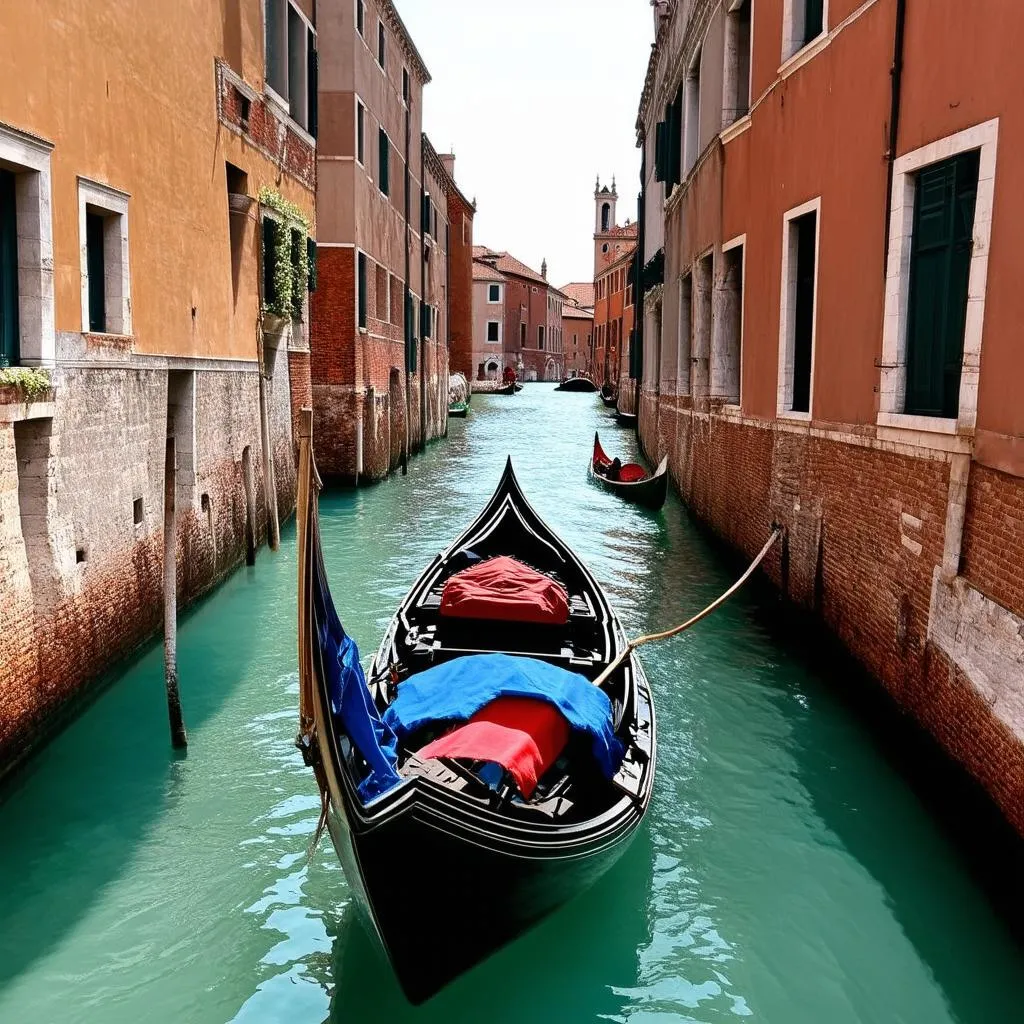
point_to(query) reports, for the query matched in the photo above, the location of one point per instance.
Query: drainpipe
(408, 289)
(896, 73)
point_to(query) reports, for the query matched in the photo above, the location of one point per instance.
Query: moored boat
(625, 419)
(629, 480)
(452, 852)
(577, 384)
(610, 401)
(458, 410)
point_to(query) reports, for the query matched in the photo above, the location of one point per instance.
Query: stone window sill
(928, 424)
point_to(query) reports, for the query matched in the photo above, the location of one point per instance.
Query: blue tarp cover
(456, 690)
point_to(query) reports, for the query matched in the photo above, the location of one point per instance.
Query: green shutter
(311, 260)
(361, 288)
(96, 268)
(814, 19)
(271, 240)
(940, 267)
(9, 353)
(298, 285)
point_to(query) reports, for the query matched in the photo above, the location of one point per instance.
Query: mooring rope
(676, 630)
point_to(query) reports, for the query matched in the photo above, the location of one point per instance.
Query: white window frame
(284, 103)
(29, 157)
(692, 88)
(117, 286)
(730, 68)
(359, 4)
(787, 301)
(490, 301)
(793, 29)
(740, 241)
(381, 28)
(893, 382)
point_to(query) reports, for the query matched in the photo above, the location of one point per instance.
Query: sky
(536, 98)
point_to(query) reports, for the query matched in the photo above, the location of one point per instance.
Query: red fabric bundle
(504, 589)
(631, 472)
(523, 735)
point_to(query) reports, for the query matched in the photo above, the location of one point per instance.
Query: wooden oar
(651, 637)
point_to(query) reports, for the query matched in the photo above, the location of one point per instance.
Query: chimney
(544, 269)
(448, 159)
(662, 12)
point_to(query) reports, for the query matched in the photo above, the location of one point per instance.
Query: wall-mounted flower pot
(239, 202)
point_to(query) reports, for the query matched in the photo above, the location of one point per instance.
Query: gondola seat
(503, 589)
(523, 735)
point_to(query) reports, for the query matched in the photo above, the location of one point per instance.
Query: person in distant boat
(615, 469)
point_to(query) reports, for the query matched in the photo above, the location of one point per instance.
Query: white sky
(536, 97)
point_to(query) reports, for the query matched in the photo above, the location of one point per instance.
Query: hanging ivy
(285, 255)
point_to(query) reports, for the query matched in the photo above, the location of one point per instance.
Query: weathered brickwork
(865, 531)
(81, 537)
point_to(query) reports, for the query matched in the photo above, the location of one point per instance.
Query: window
(691, 144)
(798, 302)
(361, 17)
(685, 334)
(9, 339)
(605, 212)
(736, 81)
(381, 45)
(803, 22)
(728, 338)
(405, 85)
(237, 185)
(103, 225)
(361, 303)
(703, 325)
(493, 331)
(382, 296)
(540, 336)
(384, 165)
(360, 133)
(522, 335)
(941, 225)
(494, 293)
(291, 61)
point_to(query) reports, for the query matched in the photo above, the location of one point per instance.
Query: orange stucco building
(830, 329)
(156, 196)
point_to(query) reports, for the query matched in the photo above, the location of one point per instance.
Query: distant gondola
(519, 387)
(610, 401)
(451, 859)
(625, 419)
(634, 483)
(577, 384)
(458, 410)
(508, 389)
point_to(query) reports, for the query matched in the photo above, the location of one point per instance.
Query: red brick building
(379, 319)
(531, 321)
(460, 278)
(831, 330)
(613, 315)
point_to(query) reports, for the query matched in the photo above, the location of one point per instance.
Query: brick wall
(866, 528)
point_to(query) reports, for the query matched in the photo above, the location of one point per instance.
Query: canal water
(788, 870)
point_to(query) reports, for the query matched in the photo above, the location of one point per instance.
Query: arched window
(605, 214)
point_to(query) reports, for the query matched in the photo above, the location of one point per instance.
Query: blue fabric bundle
(456, 690)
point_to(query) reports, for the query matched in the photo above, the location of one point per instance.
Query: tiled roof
(577, 313)
(485, 272)
(580, 293)
(506, 264)
(621, 231)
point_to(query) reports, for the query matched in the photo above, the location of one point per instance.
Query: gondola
(458, 410)
(577, 384)
(518, 386)
(634, 484)
(625, 419)
(448, 863)
(610, 401)
(508, 389)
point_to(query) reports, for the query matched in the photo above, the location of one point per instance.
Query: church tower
(605, 199)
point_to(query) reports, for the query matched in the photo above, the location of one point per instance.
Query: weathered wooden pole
(179, 738)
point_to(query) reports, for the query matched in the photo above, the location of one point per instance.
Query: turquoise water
(788, 871)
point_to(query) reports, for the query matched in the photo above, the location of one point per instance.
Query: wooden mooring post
(179, 738)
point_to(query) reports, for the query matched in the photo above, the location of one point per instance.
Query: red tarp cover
(505, 589)
(523, 735)
(631, 472)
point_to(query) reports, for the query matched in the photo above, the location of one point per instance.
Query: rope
(675, 631)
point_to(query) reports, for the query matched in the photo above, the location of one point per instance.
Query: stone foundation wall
(82, 516)
(866, 538)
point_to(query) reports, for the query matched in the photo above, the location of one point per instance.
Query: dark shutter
(424, 320)
(814, 19)
(311, 259)
(940, 266)
(675, 140)
(384, 162)
(410, 335)
(361, 288)
(9, 352)
(425, 214)
(297, 242)
(96, 268)
(313, 72)
(659, 151)
(803, 318)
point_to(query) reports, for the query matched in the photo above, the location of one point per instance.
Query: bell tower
(605, 199)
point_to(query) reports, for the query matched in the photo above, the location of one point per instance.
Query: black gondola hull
(577, 384)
